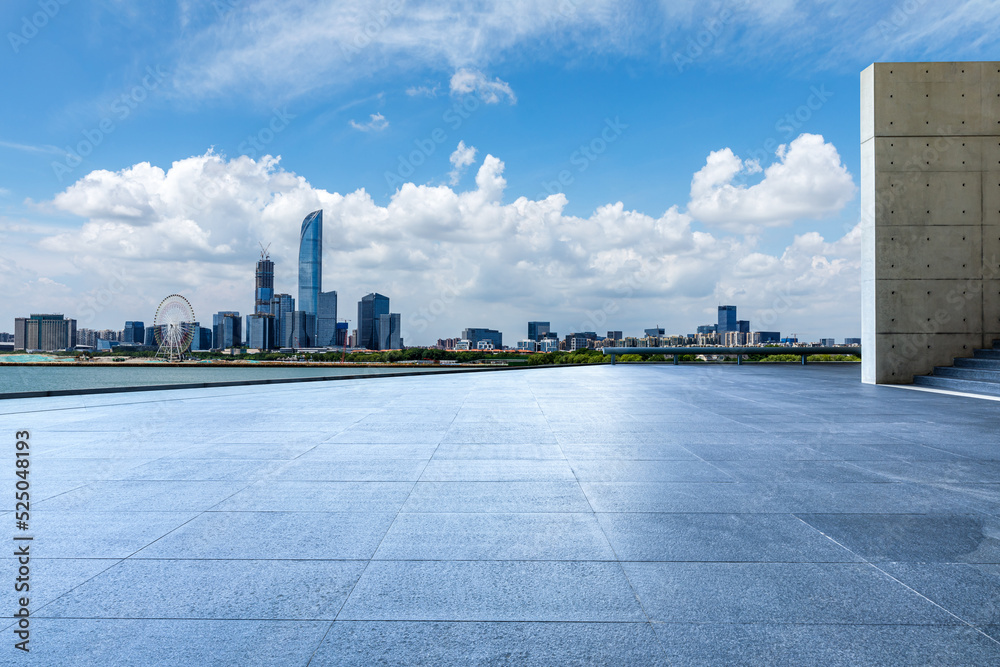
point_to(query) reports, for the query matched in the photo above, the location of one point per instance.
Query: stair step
(987, 354)
(983, 364)
(966, 373)
(954, 384)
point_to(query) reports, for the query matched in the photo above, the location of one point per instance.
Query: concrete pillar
(930, 215)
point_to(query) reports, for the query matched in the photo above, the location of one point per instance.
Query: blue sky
(622, 164)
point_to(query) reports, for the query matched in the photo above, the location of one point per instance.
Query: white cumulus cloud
(462, 157)
(422, 91)
(466, 81)
(808, 181)
(376, 123)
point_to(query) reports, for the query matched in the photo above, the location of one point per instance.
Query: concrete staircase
(977, 375)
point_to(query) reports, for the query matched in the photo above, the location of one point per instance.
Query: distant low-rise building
(734, 339)
(827, 342)
(580, 341)
(476, 334)
(852, 341)
(548, 345)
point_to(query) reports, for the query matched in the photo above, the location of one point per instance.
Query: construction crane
(263, 250)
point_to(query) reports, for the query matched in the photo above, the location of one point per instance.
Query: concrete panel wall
(930, 213)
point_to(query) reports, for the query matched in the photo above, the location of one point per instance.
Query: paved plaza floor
(763, 514)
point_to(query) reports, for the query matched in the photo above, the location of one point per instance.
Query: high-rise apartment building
(370, 308)
(44, 332)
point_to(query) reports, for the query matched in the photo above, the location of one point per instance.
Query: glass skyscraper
(134, 332)
(226, 330)
(370, 308)
(388, 332)
(537, 330)
(282, 307)
(326, 320)
(311, 262)
(727, 319)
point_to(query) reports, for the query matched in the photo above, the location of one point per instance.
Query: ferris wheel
(173, 327)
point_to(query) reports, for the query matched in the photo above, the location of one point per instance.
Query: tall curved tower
(311, 262)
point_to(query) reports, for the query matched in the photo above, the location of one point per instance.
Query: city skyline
(275, 323)
(463, 176)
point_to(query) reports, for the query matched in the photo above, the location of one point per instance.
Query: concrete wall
(930, 215)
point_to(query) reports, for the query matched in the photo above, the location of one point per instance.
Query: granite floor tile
(365, 643)
(971, 592)
(649, 471)
(627, 452)
(281, 496)
(143, 496)
(492, 591)
(100, 534)
(266, 450)
(50, 578)
(840, 593)
(241, 589)
(496, 470)
(792, 645)
(800, 471)
(274, 535)
(924, 538)
(497, 497)
(345, 470)
(202, 470)
(467, 536)
(719, 537)
(494, 451)
(147, 642)
(369, 451)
